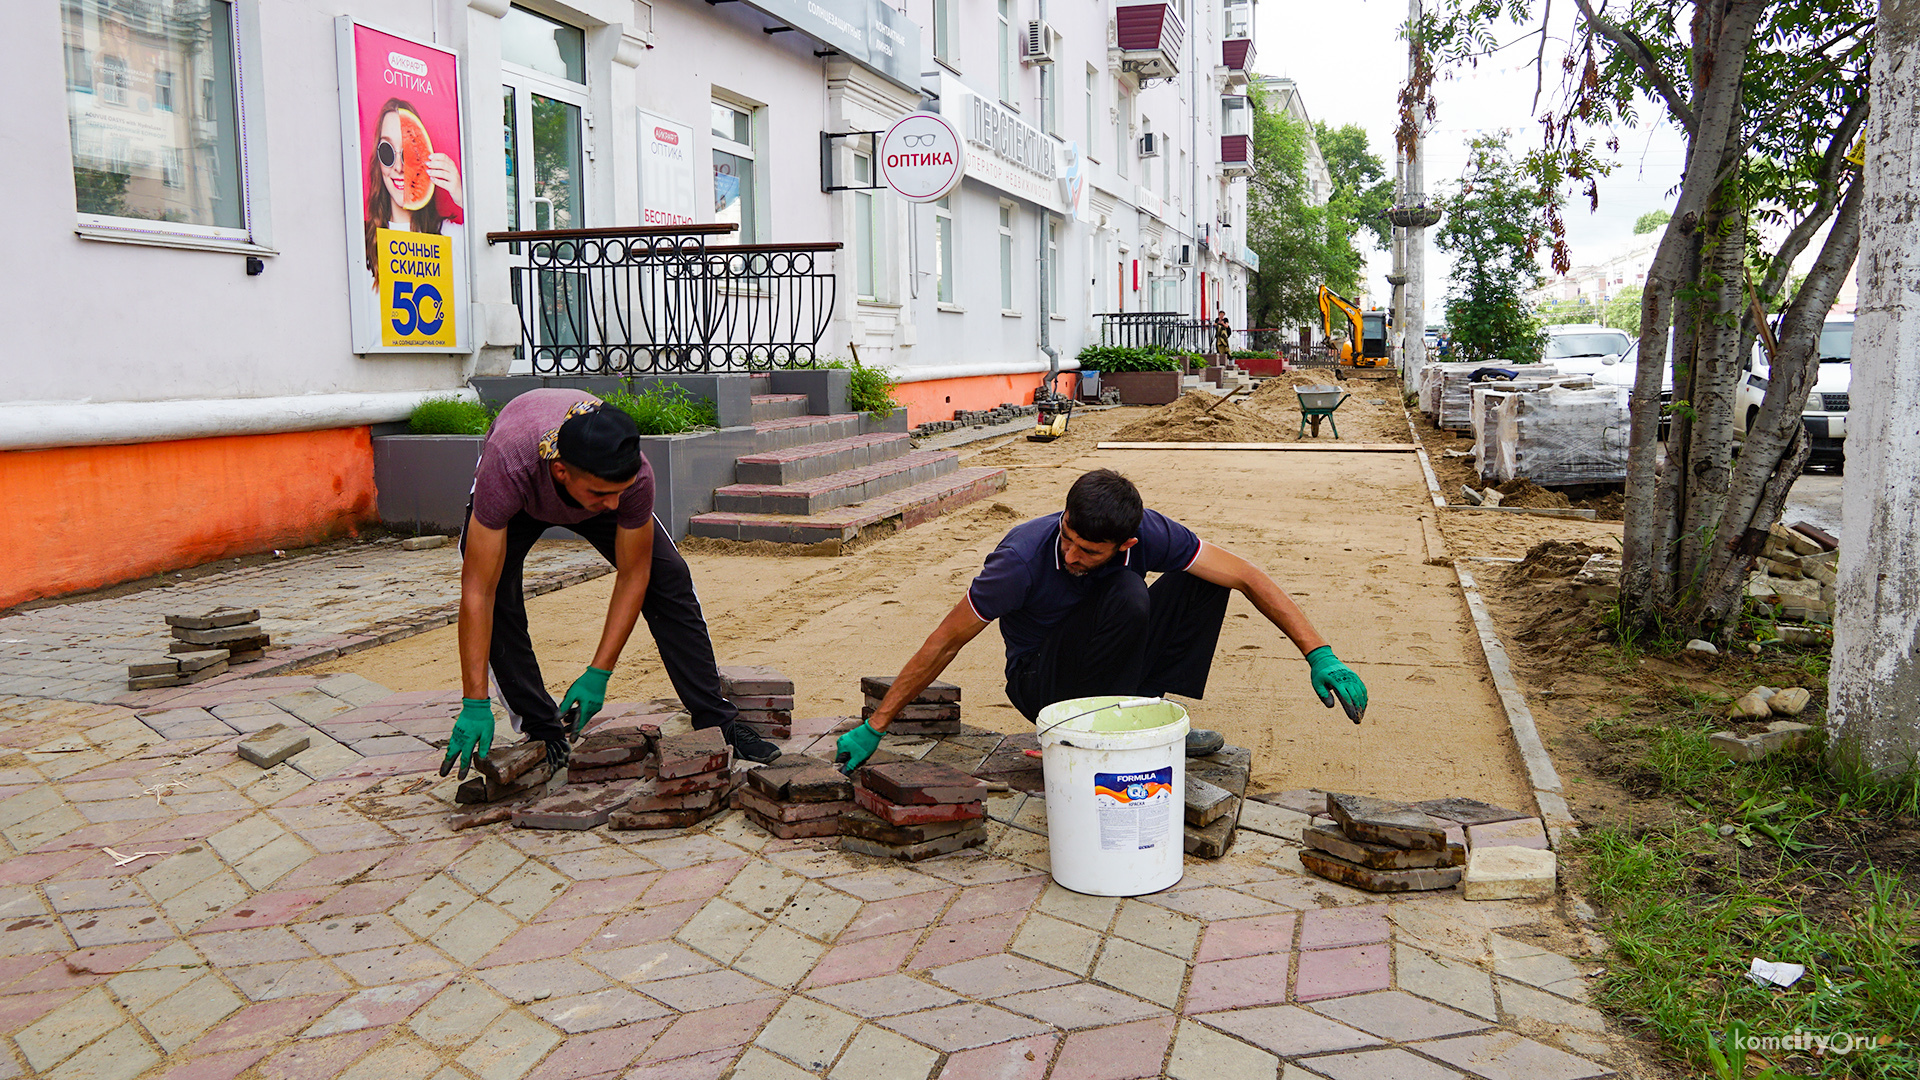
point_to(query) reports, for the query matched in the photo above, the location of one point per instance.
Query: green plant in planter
(449, 416)
(666, 410)
(869, 391)
(1118, 358)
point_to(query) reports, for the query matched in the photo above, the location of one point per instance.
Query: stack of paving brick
(691, 776)
(914, 810)
(601, 756)
(796, 797)
(935, 711)
(205, 644)
(764, 698)
(1382, 846)
(1215, 787)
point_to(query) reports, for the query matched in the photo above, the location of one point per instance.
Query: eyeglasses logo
(919, 140)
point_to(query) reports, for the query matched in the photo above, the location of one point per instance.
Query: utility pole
(1873, 709)
(1416, 271)
(1398, 279)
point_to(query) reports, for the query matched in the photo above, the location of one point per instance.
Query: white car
(1621, 370)
(1584, 348)
(1825, 414)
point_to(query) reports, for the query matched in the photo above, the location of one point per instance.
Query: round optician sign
(922, 157)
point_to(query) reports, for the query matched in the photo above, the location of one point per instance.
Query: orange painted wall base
(82, 517)
(936, 399)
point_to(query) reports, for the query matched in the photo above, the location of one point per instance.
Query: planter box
(1143, 387)
(732, 395)
(895, 421)
(423, 480)
(826, 388)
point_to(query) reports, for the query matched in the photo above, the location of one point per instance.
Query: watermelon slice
(417, 183)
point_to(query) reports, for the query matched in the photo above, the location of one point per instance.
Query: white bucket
(1116, 770)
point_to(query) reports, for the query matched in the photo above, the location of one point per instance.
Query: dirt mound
(1278, 391)
(1000, 512)
(1527, 494)
(1555, 559)
(1200, 417)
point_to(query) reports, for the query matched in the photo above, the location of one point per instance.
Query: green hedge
(449, 416)
(1116, 358)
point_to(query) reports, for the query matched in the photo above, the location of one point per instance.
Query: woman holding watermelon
(409, 186)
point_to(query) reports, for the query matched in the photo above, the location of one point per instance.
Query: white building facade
(183, 350)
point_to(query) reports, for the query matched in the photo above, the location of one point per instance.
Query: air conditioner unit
(1043, 42)
(1150, 145)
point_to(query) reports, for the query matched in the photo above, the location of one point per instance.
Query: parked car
(1622, 369)
(1825, 414)
(1584, 348)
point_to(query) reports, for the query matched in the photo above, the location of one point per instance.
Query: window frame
(866, 211)
(255, 236)
(756, 113)
(1009, 257)
(945, 253)
(946, 39)
(1008, 55)
(1093, 113)
(1050, 240)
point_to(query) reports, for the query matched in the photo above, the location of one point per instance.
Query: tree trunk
(1874, 709)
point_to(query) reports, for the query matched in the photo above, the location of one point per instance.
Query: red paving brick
(864, 959)
(1232, 938)
(1120, 1052)
(711, 1029)
(1233, 984)
(1325, 973)
(951, 943)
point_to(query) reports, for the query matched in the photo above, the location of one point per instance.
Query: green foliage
(871, 391)
(666, 409)
(1362, 190)
(1492, 227)
(1649, 221)
(1622, 310)
(1562, 312)
(449, 416)
(1300, 244)
(1116, 358)
(100, 191)
(1250, 354)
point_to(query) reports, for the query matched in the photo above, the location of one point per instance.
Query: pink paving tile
(711, 1029)
(691, 993)
(543, 941)
(1331, 928)
(651, 924)
(1234, 984)
(998, 975)
(216, 1066)
(321, 1059)
(599, 1052)
(19, 1010)
(337, 868)
(952, 943)
(362, 899)
(1325, 973)
(1235, 938)
(1120, 1052)
(702, 882)
(891, 916)
(15, 968)
(611, 1007)
(29, 869)
(1002, 898)
(711, 1065)
(377, 1007)
(1023, 1059)
(602, 897)
(428, 858)
(380, 967)
(864, 959)
(85, 967)
(264, 1023)
(266, 909)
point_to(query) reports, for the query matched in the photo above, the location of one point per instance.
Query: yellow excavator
(1366, 343)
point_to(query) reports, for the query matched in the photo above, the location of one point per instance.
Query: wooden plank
(1326, 447)
(1544, 511)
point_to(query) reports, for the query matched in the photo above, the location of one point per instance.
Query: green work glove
(1332, 679)
(472, 735)
(855, 747)
(590, 692)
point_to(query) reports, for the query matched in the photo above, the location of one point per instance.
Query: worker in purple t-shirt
(1079, 619)
(558, 457)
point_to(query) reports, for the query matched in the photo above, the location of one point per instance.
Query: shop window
(157, 180)
(866, 241)
(736, 189)
(544, 100)
(1006, 258)
(943, 249)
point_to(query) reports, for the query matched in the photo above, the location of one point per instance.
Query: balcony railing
(1171, 330)
(629, 301)
(1236, 155)
(1236, 55)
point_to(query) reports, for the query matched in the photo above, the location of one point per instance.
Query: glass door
(546, 180)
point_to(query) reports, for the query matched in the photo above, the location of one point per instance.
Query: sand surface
(1340, 532)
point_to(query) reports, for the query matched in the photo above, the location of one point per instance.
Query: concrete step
(761, 383)
(790, 431)
(902, 509)
(837, 489)
(778, 406)
(797, 463)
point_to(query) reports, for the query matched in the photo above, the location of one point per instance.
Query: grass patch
(449, 416)
(666, 410)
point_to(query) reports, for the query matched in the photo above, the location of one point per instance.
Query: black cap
(604, 442)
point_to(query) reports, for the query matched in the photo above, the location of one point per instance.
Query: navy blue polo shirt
(1029, 589)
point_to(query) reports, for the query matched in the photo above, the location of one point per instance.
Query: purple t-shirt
(1025, 585)
(513, 476)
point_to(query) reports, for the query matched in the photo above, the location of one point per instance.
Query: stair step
(837, 489)
(760, 384)
(797, 463)
(903, 509)
(789, 431)
(778, 406)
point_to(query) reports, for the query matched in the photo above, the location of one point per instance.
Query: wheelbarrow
(1317, 403)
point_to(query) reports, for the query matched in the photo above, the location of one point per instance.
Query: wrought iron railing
(626, 301)
(1170, 330)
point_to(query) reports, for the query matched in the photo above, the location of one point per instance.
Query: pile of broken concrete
(1775, 708)
(1388, 847)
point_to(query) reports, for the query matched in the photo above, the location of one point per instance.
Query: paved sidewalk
(320, 919)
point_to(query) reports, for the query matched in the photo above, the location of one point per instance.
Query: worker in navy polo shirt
(1079, 619)
(557, 457)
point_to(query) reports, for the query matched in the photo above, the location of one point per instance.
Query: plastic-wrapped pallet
(1434, 378)
(1558, 438)
(1486, 398)
(1456, 390)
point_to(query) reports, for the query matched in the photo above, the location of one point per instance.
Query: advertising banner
(1004, 151)
(666, 171)
(922, 157)
(404, 150)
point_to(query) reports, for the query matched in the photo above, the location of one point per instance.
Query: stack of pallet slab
(934, 711)
(763, 696)
(914, 810)
(796, 797)
(1382, 846)
(1559, 438)
(692, 775)
(205, 644)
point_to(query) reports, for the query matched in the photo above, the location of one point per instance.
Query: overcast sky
(1350, 64)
